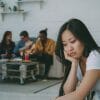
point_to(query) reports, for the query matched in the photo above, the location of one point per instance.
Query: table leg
(4, 71)
(21, 80)
(22, 73)
(32, 74)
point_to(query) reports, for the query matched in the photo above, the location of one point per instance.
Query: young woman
(81, 56)
(7, 45)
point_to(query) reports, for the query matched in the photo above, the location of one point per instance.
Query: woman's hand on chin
(70, 58)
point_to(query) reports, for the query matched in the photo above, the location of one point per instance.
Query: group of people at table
(43, 48)
(76, 50)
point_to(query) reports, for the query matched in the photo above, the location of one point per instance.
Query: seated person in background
(7, 45)
(43, 50)
(23, 44)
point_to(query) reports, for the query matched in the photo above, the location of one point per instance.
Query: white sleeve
(93, 61)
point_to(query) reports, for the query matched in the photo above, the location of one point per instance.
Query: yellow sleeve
(51, 48)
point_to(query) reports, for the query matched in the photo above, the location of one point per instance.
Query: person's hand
(21, 53)
(71, 58)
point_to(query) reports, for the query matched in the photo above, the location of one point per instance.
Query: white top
(93, 62)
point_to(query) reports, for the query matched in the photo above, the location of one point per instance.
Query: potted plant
(2, 6)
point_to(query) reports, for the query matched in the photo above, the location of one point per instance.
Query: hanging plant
(2, 4)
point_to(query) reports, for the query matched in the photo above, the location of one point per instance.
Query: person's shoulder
(94, 53)
(49, 39)
(29, 43)
(93, 60)
(12, 43)
(37, 40)
(20, 41)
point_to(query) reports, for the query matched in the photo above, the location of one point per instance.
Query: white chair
(56, 70)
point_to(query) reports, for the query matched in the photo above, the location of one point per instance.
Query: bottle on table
(23, 54)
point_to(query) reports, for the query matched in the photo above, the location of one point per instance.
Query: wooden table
(19, 69)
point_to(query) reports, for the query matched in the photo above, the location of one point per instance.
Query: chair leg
(21, 81)
(32, 74)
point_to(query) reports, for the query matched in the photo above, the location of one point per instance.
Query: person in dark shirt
(7, 45)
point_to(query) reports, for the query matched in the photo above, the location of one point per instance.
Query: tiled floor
(47, 94)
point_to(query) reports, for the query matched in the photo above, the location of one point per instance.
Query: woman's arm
(86, 85)
(71, 82)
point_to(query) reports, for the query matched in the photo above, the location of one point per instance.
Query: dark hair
(80, 31)
(24, 33)
(44, 32)
(6, 33)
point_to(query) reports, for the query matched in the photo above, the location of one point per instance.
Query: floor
(47, 94)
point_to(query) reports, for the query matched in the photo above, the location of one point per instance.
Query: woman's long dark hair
(80, 31)
(4, 41)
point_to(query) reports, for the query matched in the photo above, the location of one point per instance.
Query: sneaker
(45, 80)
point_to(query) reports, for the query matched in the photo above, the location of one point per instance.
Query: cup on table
(26, 57)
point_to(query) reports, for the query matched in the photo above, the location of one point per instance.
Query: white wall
(52, 15)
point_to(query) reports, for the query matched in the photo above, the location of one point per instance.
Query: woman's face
(72, 46)
(9, 37)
